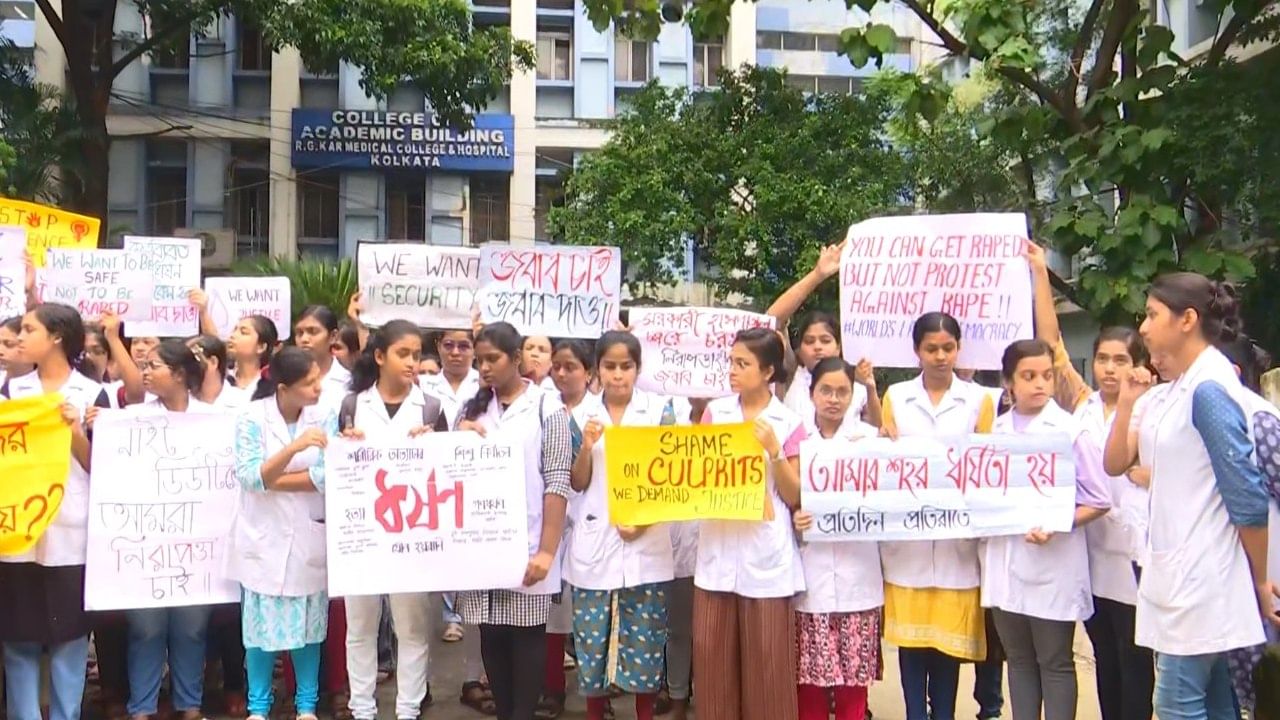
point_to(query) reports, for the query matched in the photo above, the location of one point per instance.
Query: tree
(1095, 92)
(41, 131)
(431, 43)
(757, 175)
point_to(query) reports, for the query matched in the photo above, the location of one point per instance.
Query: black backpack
(347, 412)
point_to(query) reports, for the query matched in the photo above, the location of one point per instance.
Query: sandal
(452, 633)
(477, 697)
(340, 706)
(662, 703)
(549, 707)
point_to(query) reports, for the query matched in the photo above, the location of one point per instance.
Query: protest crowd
(690, 502)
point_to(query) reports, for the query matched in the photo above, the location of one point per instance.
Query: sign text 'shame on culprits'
(670, 473)
(937, 488)
(686, 349)
(971, 267)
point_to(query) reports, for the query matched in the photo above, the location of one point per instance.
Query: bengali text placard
(554, 291)
(686, 349)
(35, 457)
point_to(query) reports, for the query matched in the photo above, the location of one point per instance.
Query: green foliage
(40, 131)
(314, 281)
(1156, 162)
(757, 175)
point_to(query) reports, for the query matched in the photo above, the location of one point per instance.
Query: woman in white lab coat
(277, 549)
(933, 609)
(1038, 584)
(250, 347)
(819, 338)
(385, 401)
(42, 590)
(168, 637)
(316, 331)
(838, 614)
(216, 387)
(1125, 672)
(748, 571)
(1204, 589)
(513, 622)
(618, 573)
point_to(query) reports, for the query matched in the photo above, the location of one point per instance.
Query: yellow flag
(49, 227)
(35, 457)
(700, 472)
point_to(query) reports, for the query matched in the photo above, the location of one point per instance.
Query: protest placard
(700, 472)
(93, 281)
(163, 496)
(920, 488)
(35, 457)
(13, 271)
(174, 265)
(49, 227)
(685, 350)
(232, 299)
(428, 285)
(553, 291)
(443, 511)
(895, 269)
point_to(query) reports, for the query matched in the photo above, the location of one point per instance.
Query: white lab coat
(1112, 537)
(523, 421)
(277, 544)
(950, 564)
(65, 540)
(841, 577)
(745, 557)
(451, 401)
(335, 385)
(596, 557)
(1049, 581)
(1196, 595)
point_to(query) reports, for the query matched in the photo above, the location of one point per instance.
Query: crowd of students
(1177, 471)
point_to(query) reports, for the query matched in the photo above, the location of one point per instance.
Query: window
(318, 206)
(253, 49)
(550, 192)
(833, 85)
(167, 200)
(555, 4)
(631, 60)
(406, 208)
(708, 58)
(555, 56)
(17, 10)
(250, 198)
(489, 213)
(769, 40)
(828, 43)
(799, 42)
(804, 83)
(173, 54)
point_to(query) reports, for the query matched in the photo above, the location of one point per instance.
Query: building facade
(298, 160)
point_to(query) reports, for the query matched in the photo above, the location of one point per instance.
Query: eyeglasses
(154, 365)
(456, 346)
(828, 393)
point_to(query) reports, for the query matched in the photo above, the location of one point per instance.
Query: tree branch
(1122, 14)
(956, 46)
(1081, 47)
(162, 35)
(1227, 38)
(153, 133)
(55, 21)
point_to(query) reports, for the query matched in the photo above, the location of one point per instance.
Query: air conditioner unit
(217, 246)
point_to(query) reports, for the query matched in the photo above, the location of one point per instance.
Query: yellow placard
(35, 457)
(669, 473)
(49, 227)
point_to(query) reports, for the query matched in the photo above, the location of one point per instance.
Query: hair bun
(1224, 304)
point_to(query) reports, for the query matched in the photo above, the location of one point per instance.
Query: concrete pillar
(286, 94)
(524, 100)
(741, 43)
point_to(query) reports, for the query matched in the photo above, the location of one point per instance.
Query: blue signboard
(389, 140)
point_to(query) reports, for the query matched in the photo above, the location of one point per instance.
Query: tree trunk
(95, 152)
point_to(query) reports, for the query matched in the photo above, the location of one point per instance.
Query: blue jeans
(260, 666)
(929, 683)
(450, 603)
(1194, 687)
(176, 635)
(988, 688)
(67, 663)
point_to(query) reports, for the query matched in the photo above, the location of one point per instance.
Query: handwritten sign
(453, 502)
(13, 271)
(552, 291)
(174, 265)
(231, 299)
(428, 285)
(48, 227)
(93, 281)
(669, 473)
(895, 269)
(35, 457)
(686, 349)
(163, 495)
(930, 489)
